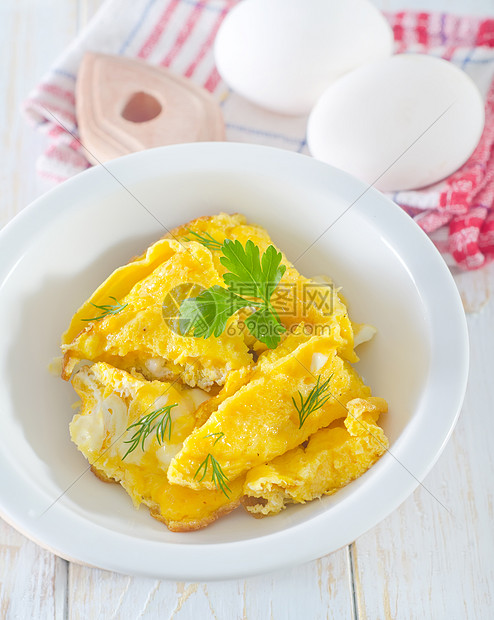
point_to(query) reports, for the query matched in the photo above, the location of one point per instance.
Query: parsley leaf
(207, 314)
(265, 326)
(250, 281)
(249, 275)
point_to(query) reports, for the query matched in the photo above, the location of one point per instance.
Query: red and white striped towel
(456, 213)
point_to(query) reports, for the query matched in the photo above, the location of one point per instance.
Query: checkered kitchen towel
(179, 34)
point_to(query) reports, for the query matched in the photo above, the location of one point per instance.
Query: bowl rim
(249, 557)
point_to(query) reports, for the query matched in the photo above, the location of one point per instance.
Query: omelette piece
(260, 420)
(135, 335)
(119, 284)
(121, 281)
(139, 337)
(235, 380)
(319, 306)
(332, 458)
(238, 378)
(111, 401)
(220, 227)
(297, 299)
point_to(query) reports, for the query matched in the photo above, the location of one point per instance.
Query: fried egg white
(111, 401)
(332, 458)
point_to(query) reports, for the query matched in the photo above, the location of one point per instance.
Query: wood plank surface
(32, 580)
(319, 589)
(423, 561)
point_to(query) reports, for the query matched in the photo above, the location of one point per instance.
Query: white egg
(282, 54)
(400, 123)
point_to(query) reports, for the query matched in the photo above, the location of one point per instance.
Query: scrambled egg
(138, 337)
(332, 458)
(112, 400)
(259, 421)
(298, 299)
(234, 401)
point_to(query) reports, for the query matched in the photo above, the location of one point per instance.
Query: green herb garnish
(316, 398)
(206, 239)
(160, 419)
(217, 435)
(250, 283)
(107, 309)
(217, 475)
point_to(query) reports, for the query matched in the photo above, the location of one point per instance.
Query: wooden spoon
(125, 105)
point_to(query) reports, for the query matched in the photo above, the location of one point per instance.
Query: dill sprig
(160, 419)
(316, 398)
(217, 476)
(217, 435)
(206, 239)
(107, 309)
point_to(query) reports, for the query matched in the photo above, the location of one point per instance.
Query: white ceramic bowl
(60, 248)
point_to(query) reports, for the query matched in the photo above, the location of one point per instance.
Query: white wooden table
(421, 562)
